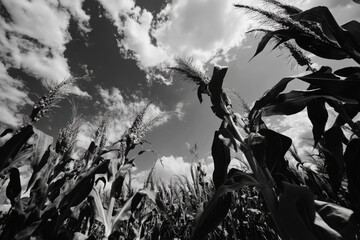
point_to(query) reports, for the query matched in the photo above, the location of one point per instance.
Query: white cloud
(169, 169)
(13, 97)
(202, 29)
(121, 113)
(34, 40)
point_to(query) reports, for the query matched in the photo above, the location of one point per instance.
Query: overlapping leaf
(11, 148)
(217, 208)
(318, 116)
(333, 152)
(351, 158)
(218, 96)
(221, 157)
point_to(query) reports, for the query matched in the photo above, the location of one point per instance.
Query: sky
(120, 51)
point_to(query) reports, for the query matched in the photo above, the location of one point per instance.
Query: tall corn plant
(293, 208)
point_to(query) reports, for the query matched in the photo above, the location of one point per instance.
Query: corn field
(91, 197)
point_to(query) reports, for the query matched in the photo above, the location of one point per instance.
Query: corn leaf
(12, 147)
(217, 93)
(351, 158)
(339, 219)
(221, 157)
(270, 151)
(13, 189)
(218, 206)
(38, 167)
(83, 186)
(333, 152)
(318, 116)
(345, 38)
(297, 212)
(6, 132)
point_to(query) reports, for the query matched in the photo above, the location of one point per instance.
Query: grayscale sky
(121, 50)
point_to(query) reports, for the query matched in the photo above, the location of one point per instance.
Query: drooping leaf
(351, 110)
(27, 232)
(41, 145)
(332, 31)
(221, 157)
(318, 116)
(333, 151)
(218, 206)
(212, 216)
(38, 167)
(294, 102)
(217, 94)
(347, 71)
(127, 210)
(338, 218)
(6, 131)
(11, 148)
(271, 151)
(297, 211)
(13, 189)
(83, 186)
(351, 158)
(347, 89)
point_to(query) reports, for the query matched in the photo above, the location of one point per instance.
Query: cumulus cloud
(169, 169)
(204, 30)
(13, 96)
(34, 35)
(121, 112)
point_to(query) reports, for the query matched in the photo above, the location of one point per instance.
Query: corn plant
(295, 213)
(71, 198)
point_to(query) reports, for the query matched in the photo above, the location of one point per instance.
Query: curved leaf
(351, 158)
(347, 71)
(221, 158)
(338, 218)
(217, 93)
(297, 211)
(217, 208)
(318, 116)
(13, 190)
(11, 148)
(332, 148)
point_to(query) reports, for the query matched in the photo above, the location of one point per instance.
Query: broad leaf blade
(318, 116)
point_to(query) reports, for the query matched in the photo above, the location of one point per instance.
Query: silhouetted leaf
(351, 158)
(351, 111)
(216, 91)
(6, 131)
(333, 152)
(41, 145)
(271, 151)
(11, 148)
(318, 116)
(27, 232)
(297, 211)
(347, 71)
(83, 186)
(332, 31)
(221, 158)
(13, 189)
(294, 102)
(38, 167)
(341, 220)
(116, 186)
(218, 206)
